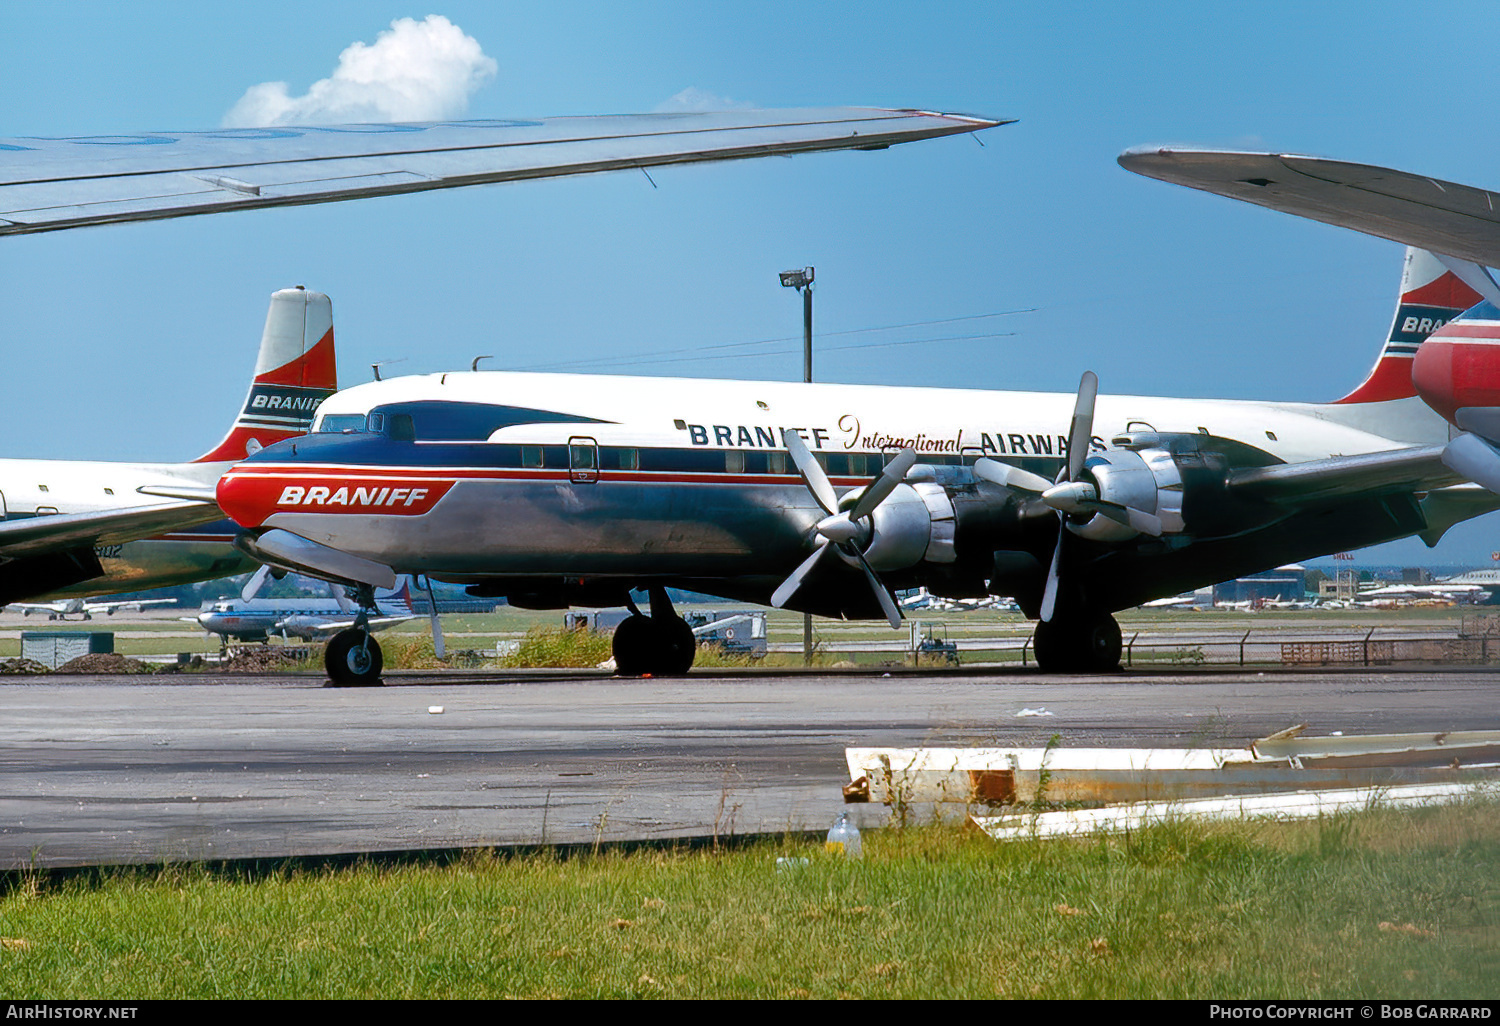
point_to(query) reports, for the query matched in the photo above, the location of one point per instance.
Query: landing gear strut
(661, 644)
(353, 658)
(1078, 644)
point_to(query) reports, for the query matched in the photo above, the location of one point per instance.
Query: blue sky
(135, 342)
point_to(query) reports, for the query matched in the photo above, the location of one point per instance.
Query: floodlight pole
(807, 329)
(802, 281)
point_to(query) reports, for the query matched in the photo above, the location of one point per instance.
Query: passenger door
(583, 460)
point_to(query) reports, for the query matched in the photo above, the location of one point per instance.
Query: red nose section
(1459, 366)
(250, 496)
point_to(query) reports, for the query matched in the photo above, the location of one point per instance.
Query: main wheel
(1089, 645)
(644, 645)
(675, 647)
(353, 660)
(632, 646)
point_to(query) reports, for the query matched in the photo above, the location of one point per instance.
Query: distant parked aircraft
(63, 609)
(256, 619)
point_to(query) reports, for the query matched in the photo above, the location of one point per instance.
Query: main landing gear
(1088, 643)
(353, 658)
(661, 644)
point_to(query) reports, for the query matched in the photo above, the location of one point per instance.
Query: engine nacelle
(914, 523)
(1145, 479)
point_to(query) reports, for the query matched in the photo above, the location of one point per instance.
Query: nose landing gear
(353, 658)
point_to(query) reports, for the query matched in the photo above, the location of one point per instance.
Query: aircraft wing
(52, 184)
(375, 623)
(34, 536)
(1367, 474)
(110, 607)
(1456, 220)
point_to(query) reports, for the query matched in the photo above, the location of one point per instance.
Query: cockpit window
(340, 424)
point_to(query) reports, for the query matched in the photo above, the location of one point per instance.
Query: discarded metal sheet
(1293, 805)
(1287, 761)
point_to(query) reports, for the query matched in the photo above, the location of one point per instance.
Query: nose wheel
(353, 660)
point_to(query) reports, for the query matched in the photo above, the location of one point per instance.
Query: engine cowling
(914, 524)
(1145, 479)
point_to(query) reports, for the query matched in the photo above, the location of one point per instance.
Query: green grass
(1178, 911)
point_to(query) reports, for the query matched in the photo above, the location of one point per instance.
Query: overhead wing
(52, 184)
(35, 536)
(1455, 220)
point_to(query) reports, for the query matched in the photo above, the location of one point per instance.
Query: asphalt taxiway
(101, 771)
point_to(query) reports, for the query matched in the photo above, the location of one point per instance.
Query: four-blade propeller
(846, 532)
(1072, 494)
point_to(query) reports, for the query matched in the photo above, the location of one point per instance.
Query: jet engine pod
(1147, 481)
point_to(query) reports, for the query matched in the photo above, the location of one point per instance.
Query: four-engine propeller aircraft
(72, 528)
(556, 490)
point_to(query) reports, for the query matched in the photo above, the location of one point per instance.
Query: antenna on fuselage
(384, 363)
(475, 365)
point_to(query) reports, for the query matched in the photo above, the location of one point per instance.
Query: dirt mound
(22, 666)
(104, 662)
(265, 659)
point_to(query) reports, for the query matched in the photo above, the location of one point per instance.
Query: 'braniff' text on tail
(294, 373)
(1431, 296)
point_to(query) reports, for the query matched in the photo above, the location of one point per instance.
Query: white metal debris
(1294, 805)
(1286, 761)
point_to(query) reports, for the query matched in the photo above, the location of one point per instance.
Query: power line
(665, 354)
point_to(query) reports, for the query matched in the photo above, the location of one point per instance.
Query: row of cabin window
(731, 461)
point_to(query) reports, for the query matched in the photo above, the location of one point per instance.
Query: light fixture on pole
(802, 281)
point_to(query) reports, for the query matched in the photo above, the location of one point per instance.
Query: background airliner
(72, 528)
(85, 608)
(554, 490)
(257, 619)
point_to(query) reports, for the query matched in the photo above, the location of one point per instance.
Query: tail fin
(1431, 295)
(294, 373)
(400, 596)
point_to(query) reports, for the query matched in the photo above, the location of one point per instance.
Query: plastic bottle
(843, 839)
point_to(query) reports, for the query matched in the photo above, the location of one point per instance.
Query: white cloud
(414, 71)
(693, 99)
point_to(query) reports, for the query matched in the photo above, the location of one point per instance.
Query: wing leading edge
(53, 184)
(33, 536)
(1444, 217)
